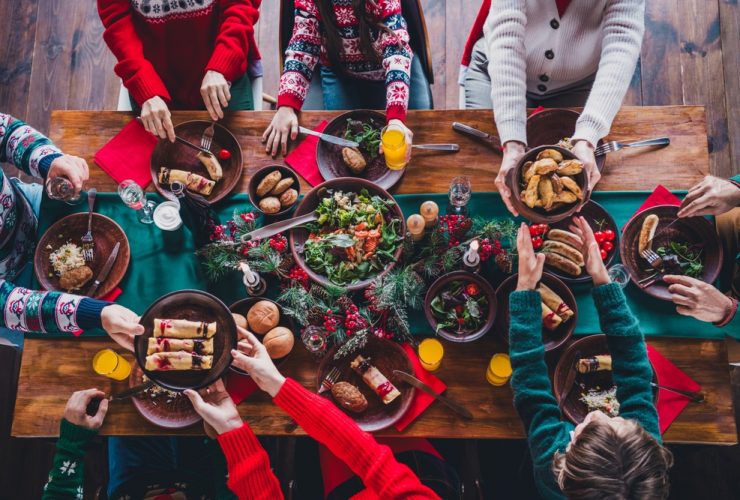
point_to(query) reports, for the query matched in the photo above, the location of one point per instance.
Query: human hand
(408, 135)
(283, 125)
(216, 407)
(156, 117)
(584, 151)
(76, 409)
(73, 168)
(513, 152)
(590, 250)
(121, 324)
(712, 196)
(216, 93)
(695, 298)
(252, 357)
(530, 264)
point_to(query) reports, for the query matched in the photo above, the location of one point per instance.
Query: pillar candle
(430, 211)
(415, 225)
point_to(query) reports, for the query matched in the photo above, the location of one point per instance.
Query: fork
(653, 259)
(612, 146)
(326, 384)
(88, 244)
(207, 138)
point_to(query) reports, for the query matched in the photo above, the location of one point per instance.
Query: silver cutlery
(207, 138)
(696, 397)
(451, 148)
(653, 259)
(489, 139)
(191, 145)
(329, 138)
(88, 244)
(612, 146)
(103, 274)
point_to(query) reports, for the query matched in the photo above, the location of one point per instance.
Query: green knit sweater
(533, 398)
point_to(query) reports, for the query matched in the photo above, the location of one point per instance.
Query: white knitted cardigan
(530, 48)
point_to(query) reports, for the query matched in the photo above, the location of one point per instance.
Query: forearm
(238, 18)
(250, 476)
(301, 57)
(25, 147)
(66, 477)
(397, 57)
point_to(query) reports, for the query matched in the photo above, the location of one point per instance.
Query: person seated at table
(183, 55)
(553, 54)
(693, 297)
(602, 457)
(39, 311)
(362, 48)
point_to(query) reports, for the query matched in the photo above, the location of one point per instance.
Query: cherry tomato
(459, 309)
(607, 246)
(544, 229)
(534, 230)
(472, 289)
(224, 154)
(604, 255)
(537, 242)
(609, 235)
(599, 235)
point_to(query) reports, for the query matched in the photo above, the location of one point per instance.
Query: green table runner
(162, 262)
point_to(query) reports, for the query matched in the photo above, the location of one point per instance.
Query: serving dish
(254, 181)
(169, 411)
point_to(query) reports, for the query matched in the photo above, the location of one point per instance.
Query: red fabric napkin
(128, 154)
(670, 404)
(111, 297)
(421, 399)
(239, 386)
(303, 157)
(659, 196)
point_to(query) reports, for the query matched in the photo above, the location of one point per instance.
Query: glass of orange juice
(499, 369)
(393, 138)
(431, 352)
(111, 364)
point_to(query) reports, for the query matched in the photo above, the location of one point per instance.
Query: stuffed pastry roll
(183, 329)
(163, 344)
(191, 181)
(554, 302)
(212, 165)
(181, 360)
(550, 320)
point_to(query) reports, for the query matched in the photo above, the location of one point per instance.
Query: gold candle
(430, 211)
(415, 225)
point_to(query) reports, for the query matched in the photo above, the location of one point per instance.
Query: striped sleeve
(396, 52)
(301, 56)
(25, 147)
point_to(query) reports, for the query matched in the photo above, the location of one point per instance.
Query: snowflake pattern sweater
(307, 48)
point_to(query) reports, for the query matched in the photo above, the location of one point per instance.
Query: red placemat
(128, 154)
(670, 405)
(303, 158)
(111, 297)
(421, 399)
(239, 386)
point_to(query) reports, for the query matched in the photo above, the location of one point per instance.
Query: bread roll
(570, 167)
(545, 166)
(281, 186)
(349, 397)
(553, 154)
(565, 250)
(278, 342)
(241, 321)
(263, 317)
(649, 225)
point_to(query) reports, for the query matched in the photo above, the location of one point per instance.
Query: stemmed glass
(460, 193)
(62, 189)
(133, 196)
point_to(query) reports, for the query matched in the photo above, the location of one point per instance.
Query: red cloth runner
(670, 404)
(239, 386)
(111, 297)
(128, 154)
(421, 399)
(303, 157)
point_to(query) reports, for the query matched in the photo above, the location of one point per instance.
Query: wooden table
(48, 376)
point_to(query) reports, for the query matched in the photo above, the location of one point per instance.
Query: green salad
(460, 308)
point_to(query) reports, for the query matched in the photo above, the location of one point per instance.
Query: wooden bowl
(244, 305)
(440, 284)
(175, 414)
(181, 157)
(552, 339)
(592, 345)
(193, 305)
(386, 356)
(298, 236)
(106, 233)
(539, 215)
(693, 230)
(329, 156)
(285, 172)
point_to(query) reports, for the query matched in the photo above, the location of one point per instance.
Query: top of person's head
(621, 463)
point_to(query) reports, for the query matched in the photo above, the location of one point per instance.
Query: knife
(489, 139)
(329, 138)
(663, 229)
(105, 271)
(452, 405)
(569, 381)
(191, 145)
(92, 407)
(278, 227)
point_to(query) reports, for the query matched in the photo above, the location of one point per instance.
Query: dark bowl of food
(363, 127)
(274, 190)
(593, 386)
(460, 306)
(162, 407)
(687, 247)
(275, 329)
(187, 340)
(548, 184)
(357, 236)
(559, 310)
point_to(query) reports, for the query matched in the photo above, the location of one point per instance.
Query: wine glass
(619, 274)
(60, 188)
(133, 196)
(460, 193)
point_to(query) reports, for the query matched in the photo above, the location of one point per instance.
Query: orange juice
(111, 364)
(394, 147)
(499, 369)
(431, 352)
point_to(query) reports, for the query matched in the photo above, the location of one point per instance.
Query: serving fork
(612, 146)
(88, 244)
(207, 138)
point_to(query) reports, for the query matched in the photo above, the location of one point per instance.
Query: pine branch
(352, 345)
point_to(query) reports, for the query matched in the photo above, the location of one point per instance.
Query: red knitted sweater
(164, 49)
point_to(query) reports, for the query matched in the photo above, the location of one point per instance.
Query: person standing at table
(362, 49)
(553, 53)
(602, 457)
(183, 55)
(27, 310)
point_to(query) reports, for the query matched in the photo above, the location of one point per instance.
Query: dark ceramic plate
(329, 156)
(386, 356)
(285, 172)
(106, 233)
(591, 345)
(192, 305)
(161, 410)
(181, 157)
(552, 339)
(439, 285)
(694, 231)
(298, 236)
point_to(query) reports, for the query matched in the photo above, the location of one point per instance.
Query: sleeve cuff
(608, 297)
(239, 444)
(76, 434)
(587, 133)
(145, 85)
(88, 313)
(289, 100)
(45, 163)
(512, 130)
(395, 113)
(231, 65)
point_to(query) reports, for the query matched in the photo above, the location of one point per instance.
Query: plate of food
(559, 310)
(267, 321)
(593, 385)
(162, 407)
(687, 246)
(460, 306)
(58, 261)
(562, 248)
(212, 177)
(357, 236)
(187, 340)
(366, 388)
(274, 190)
(365, 162)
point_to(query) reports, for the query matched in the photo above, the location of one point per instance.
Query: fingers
(215, 105)
(276, 140)
(681, 300)
(221, 92)
(169, 128)
(196, 399)
(266, 134)
(219, 386)
(241, 360)
(294, 130)
(540, 265)
(684, 311)
(679, 279)
(505, 193)
(284, 143)
(253, 340)
(685, 291)
(521, 241)
(97, 420)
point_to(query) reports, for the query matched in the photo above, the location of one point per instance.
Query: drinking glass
(133, 196)
(499, 369)
(619, 274)
(62, 189)
(393, 139)
(431, 351)
(111, 364)
(460, 193)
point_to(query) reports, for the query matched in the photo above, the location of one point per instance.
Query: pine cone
(316, 315)
(344, 302)
(504, 262)
(286, 264)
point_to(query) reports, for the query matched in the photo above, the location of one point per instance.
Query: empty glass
(460, 193)
(619, 274)
(133, 196)
(62, 189)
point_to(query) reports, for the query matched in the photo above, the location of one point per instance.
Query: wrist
(525, 286)
(512, 147)
(273, 386)
(230, 424)
(601, 278)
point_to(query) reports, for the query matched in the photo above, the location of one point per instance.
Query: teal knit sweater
(533, 398)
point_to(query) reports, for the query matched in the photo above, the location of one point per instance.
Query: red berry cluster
(246, 247)
(248, 217)
(352, 320)
(372, 300)
(330, 321)
(488, 248)
(538, 232)
(382, 333)
(605, 239)
(299, 275)
(454, 225)
(278, 243)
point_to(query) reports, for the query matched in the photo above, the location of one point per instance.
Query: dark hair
(604, 463)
